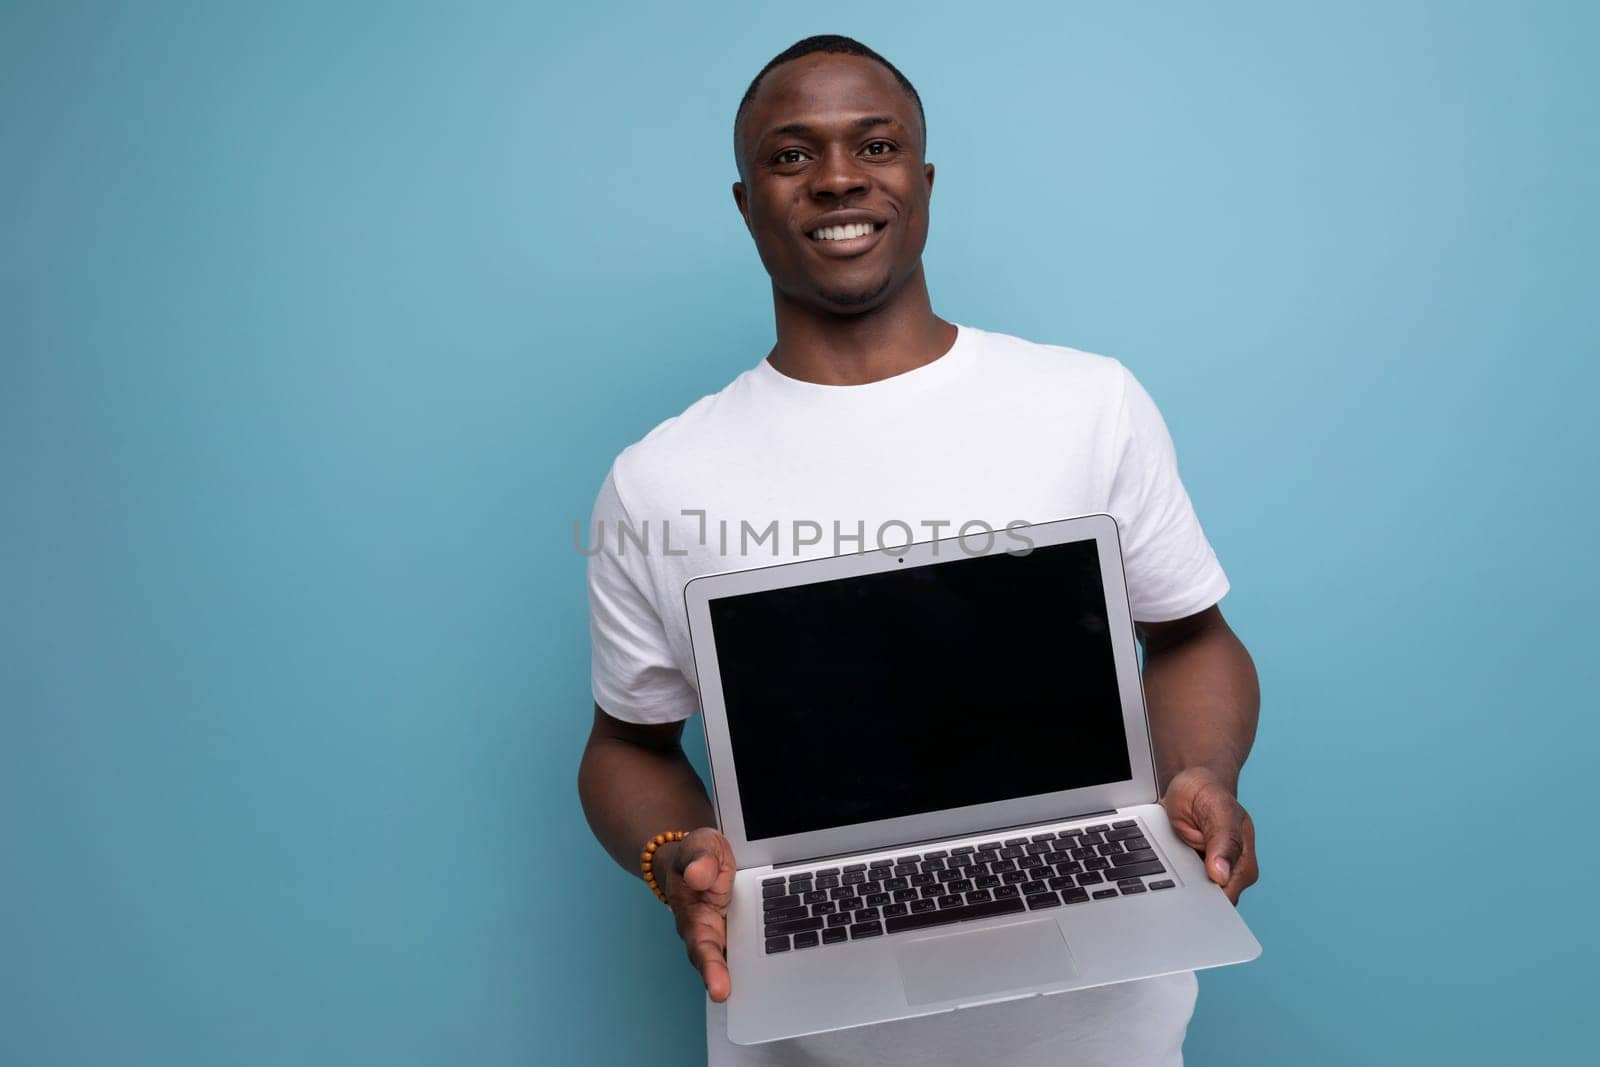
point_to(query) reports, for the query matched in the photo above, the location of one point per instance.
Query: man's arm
(635, 782)
(1204, 701)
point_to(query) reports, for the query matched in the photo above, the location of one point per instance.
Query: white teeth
(843, 233)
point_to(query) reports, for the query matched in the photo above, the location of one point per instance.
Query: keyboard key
(854, 877)
(1010, 852)
(871, 885)
(848, 903)
(937, 865)
(827, 907)
(799, 883)
(875, 864)
(852, 868)
(960, 885)
(807, 940)
(828, 881)
(1090, 839)
(816, 896)
(973, 870)
(1074, 896)
(954, 915)
(777, 880)
(840, 892)
(1122, 831)
(872, 929)
(891, 910)
(1131, 888)
(1029, 862)
(1068, 867)
(920, 906)
(901, 860)
(1102, 894)
(840, 920)
(1040, 848)
(866, 915)
(1099, 828)
(941, 854)
(950, 901)
(978, 896)
(1029, 889)
(1123, 825)
(1096, 863)
(1006, 892)
(948, 876)
(964, 850)
(1053, 858)
(1012, 841)
(774, 892)
(793, 927)
(1090, 878)
(777, 944)
(891, 884)
(1165, 883)
(1139, 856)
(999, 866)
(921, 879)
(779, 915)
(900, 870)
(828, 872)
(1016, 877)
(988, 846)
(1134, 844)
(901, 895)
(1076, 853)
(1043, 900)
(1061, 881)
(1036, 838)
(877, 900)
(986, 881)
(835, 935)
(988, 855)
(1139, 870)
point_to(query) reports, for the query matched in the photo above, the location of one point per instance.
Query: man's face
(835, 191)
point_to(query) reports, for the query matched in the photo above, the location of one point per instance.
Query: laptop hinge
(935, 840)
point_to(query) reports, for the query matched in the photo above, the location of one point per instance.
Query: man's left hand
(1210, 820)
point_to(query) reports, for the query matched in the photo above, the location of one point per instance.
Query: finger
(705, 940)
(1247, 871)
(1222, 820)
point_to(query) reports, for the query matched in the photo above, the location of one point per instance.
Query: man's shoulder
(1034, 361)
(676, 444)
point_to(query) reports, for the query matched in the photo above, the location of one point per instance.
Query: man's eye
(789, 155)
(879, 148)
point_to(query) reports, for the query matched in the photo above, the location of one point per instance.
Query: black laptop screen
(918, 689)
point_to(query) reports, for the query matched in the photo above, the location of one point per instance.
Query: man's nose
(838, 176)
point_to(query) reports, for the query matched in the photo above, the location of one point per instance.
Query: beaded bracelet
(647, 859)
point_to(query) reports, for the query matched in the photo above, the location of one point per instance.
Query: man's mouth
(847, 239)
(847, 232)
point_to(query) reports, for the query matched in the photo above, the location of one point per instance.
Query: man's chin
(862, 298)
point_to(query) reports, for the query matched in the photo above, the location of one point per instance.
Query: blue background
(321, 324)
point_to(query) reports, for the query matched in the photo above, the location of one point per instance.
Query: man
(871, 411)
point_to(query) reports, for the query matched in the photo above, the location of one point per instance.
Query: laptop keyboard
(855, 901)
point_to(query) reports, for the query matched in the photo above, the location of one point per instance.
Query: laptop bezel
(951, 822)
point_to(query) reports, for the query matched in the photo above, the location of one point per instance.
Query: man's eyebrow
(800, 129)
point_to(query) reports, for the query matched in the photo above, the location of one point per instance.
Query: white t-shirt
(995, 431)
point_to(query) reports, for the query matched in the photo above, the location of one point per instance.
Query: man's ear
(742, 203)
(927, 174)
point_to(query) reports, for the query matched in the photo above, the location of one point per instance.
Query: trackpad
(973, 965)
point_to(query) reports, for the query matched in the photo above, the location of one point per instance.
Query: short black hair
(834, 44)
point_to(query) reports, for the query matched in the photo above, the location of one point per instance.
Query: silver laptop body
(956, 722)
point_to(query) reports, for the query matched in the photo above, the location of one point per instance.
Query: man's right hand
(699, 884)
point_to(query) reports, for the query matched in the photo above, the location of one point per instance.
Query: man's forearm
(632, 791)
(1204, 698)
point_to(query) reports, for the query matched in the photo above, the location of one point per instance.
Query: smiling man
(871, 413)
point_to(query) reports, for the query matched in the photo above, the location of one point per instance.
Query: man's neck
(827, 349)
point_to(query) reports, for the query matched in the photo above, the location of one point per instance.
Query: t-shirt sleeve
(1172, 571)
(633, 673)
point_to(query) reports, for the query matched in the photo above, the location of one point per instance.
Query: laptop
(934, 766)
